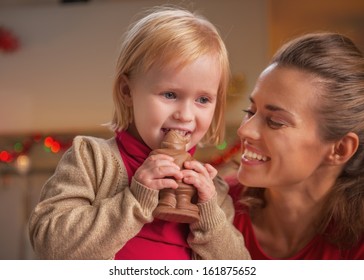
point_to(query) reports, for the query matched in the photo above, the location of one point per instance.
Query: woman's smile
(250, 157)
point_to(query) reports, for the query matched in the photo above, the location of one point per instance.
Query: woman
(302, 164)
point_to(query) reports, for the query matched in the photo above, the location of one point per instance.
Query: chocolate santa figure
(176, 205)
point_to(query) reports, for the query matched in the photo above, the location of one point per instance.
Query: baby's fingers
(197, 167)
(164, 183)
(211, 170)
(204, 169)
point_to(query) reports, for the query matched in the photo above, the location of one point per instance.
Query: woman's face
(280, 133)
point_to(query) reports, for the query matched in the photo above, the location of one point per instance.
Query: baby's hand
(158, 172)
(200, 176)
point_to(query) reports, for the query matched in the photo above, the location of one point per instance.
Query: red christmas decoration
(225, 157)
(8, 42)
(50, 143)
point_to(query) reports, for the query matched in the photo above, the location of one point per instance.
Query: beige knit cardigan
(87, 210)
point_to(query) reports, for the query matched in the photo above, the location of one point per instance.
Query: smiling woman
(287, 128)
(301, 190)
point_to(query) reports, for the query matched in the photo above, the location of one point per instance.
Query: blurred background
(57, 61)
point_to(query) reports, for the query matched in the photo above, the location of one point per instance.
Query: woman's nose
(249, 129)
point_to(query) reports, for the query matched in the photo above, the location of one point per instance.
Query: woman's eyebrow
(271, 107)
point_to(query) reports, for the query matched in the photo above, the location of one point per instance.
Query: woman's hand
(158, 172)
(201, 177)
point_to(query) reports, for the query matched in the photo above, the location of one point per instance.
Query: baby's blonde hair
(163, 36)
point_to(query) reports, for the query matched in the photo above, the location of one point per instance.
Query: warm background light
(56, 80)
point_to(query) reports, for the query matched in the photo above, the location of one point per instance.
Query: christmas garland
(58, 144)
(50, 143)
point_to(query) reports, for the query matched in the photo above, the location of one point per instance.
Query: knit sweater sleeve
(214, 237)
(86, 209)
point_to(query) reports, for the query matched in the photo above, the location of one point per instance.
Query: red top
(158, 240)
(317, 249)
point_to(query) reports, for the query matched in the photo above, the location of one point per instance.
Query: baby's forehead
(172, 61)
(168, 63)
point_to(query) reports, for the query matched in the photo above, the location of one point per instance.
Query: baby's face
(182, 99)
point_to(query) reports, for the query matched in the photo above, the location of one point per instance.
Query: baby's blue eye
(169, 95)
(203, 100)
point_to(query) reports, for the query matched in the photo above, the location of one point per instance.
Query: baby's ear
(344, 149)
(124, 85)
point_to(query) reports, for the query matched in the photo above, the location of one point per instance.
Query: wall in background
(60, 79)
(292, 18)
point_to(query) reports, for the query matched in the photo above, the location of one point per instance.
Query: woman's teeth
(255, 156)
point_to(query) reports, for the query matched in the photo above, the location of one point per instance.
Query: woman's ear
(344, 149)
(124, 85)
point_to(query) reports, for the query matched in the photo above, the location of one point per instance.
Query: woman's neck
(289, 220)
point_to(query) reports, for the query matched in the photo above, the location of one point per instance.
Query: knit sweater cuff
(147, 198)
(211, 215)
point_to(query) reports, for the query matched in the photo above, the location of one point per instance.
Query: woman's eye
(203, 100)
(169, 95)
(249, 113)
(274, 124)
